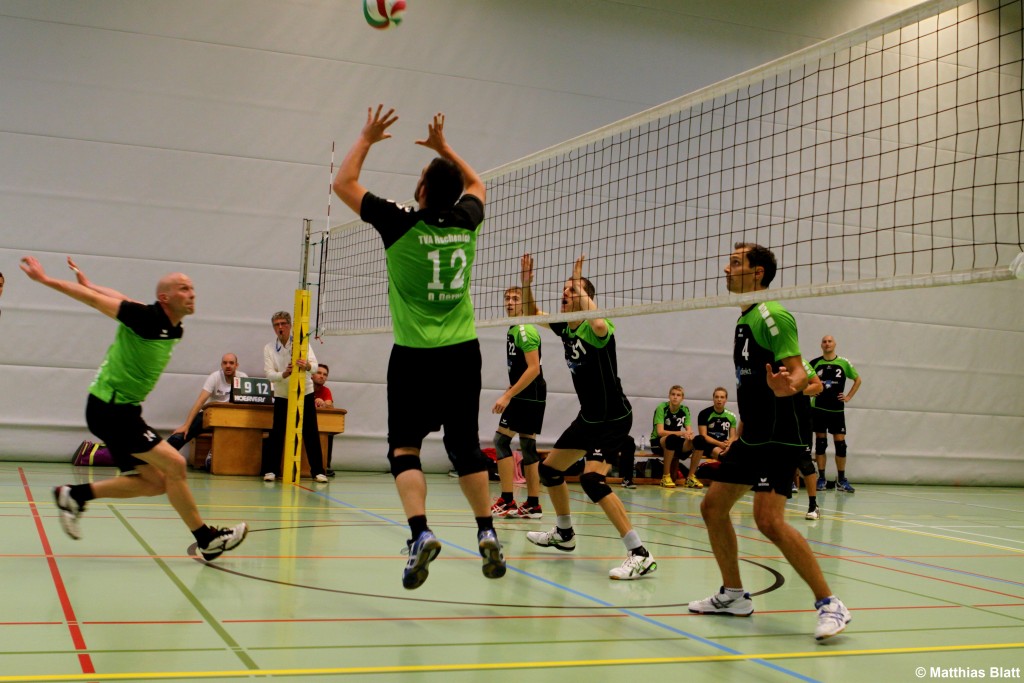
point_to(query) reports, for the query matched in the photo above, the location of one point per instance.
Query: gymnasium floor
(934, 576)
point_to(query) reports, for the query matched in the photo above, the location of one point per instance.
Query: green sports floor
(934, 577)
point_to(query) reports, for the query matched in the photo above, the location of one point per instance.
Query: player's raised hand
(526, 270)
(33, 268)
(435, 134)
(377, 124)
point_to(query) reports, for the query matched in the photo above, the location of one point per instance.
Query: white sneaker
(226, 539)
(832, 617)
(269, 476)
(552, 539)
(812, 514)
(70, 511)
(723, 604)
(634, 567)
(320, 478)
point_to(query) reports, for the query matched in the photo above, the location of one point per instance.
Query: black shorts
(431, 389)
(596, 438)
(523, 417)
(120, 426)
(764, 467)
(833, 422)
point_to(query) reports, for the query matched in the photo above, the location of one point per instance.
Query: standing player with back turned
(429, 260)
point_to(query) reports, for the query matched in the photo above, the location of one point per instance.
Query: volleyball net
(885, 158)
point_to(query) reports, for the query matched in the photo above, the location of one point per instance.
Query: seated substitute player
(828, 410)
(672, 438)
(602, 425)
(323, 398)
(143, 343)
(430, 256)
(216, 389)
(716, 427)
(522, 411)
(770, 378)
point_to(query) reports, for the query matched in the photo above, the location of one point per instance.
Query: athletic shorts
(764, 467)
(431, 389)
(523, 417)
(833, 422)
(593, 437)
(656, 448)
(120, 426)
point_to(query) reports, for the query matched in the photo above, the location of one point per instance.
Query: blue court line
(590, 598)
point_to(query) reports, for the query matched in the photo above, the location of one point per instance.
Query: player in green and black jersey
(430, 255)
(522, 412)
(602, 425)
(143, 343)
(716, 426)
(772, 438)
(672, 437)
(828, 410)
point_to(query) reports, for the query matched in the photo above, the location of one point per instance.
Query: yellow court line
(929, 534)
(497, 666)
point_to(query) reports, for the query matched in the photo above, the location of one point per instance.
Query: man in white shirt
(216, 389)
(277, 366)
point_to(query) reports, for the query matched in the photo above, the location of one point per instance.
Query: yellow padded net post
(296, 388)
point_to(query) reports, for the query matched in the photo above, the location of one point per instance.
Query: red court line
(935, 578)
(84, 660)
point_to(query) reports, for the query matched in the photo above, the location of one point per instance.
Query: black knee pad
(673, 442)
(473, 462)
(529, 447)
(403, 463)
(700, 444)
(806, 467)
(840, 448)
(594, 486)
(503, 445)
(549, 476)
(820, 445)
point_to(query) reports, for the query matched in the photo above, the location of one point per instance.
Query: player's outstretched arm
(436, 141)
(346, 181)
(103, 303)
(598, 325)
(86, 282)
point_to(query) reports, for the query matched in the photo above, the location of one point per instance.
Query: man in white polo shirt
(216, 389)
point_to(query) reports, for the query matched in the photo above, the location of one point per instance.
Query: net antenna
(886, 158)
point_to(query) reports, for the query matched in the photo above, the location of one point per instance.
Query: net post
(297, 380)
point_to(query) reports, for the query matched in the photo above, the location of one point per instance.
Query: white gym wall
(145, 136)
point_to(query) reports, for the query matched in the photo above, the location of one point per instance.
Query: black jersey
(595, 373)
(765, 334)
(717, 425)
(520, 340)
(833, 374)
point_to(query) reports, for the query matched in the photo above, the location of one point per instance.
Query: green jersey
(765, 334)
(717, 425)
(141, 350)
(672, 422)
(429, 259)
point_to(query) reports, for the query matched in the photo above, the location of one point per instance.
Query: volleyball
(383, 14)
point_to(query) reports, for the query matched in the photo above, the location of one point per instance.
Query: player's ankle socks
(812, 504)
(203, 535)
(82, 493)
(841, 475)
(508, 496)
(485, 523)
(417, 525)
(532, 502)
(734, 593)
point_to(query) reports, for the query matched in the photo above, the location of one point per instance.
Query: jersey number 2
(458, 260)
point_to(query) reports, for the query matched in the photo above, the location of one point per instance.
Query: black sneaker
(627, 483)
(227, 538)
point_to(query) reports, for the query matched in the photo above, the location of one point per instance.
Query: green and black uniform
(525, 412)
(606, 415)
(828, 410)
(435, 363)
(671, 422)
(774, 433)
(717, 425)
(142, 347)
